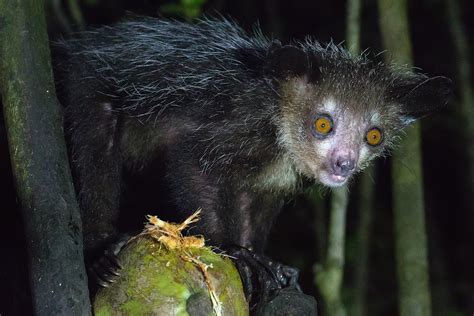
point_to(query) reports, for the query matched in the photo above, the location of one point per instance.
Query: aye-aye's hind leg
(262, 277)
(93, 138)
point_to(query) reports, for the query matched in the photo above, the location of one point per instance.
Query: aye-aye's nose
(343, 165)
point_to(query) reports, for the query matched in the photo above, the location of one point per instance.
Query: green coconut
(164, 273)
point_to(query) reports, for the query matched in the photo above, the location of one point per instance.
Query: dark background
(449, 209)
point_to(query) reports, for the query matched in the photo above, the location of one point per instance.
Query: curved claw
(106, 269)
(113, 261)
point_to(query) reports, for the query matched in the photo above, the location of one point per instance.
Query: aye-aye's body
(236, 120)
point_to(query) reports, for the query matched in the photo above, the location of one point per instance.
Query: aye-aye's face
(332, 131)
(338, 112)
(340, 141)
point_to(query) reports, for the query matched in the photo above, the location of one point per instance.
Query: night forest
(396, 240)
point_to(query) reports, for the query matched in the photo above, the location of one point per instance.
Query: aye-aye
(237, 121)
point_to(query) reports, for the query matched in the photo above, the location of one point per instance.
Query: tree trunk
(39, 162)
(407, 181)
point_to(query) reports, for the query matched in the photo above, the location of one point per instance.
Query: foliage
(189, 9)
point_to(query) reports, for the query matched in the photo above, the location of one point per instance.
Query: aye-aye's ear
(422, 97)
(287, 60)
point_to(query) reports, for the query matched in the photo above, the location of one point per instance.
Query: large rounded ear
(287, 60)
(421, 97)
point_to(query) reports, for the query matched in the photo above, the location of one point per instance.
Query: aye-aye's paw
(262, 277)
(104, 269)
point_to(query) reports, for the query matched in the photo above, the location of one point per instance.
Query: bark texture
(39, 162)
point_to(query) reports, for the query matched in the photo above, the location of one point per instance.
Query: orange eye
(323, 125)
(374, 136)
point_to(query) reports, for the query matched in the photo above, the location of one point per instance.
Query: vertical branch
(39, 162)
(466, 110)
(353, 25)
(407, 182)
(329, 276)
(76, 13)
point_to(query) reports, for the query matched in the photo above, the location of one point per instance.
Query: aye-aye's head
(339, 112)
